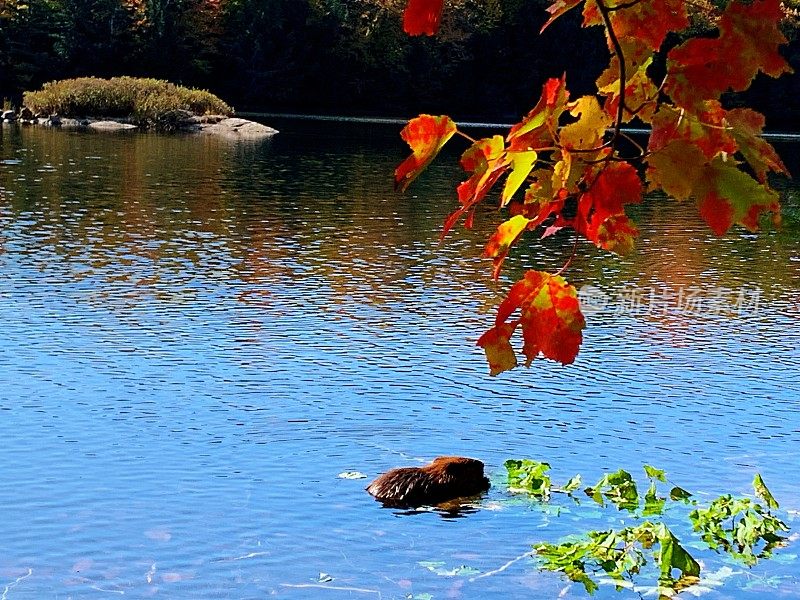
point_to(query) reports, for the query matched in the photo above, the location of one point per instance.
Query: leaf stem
(571, 256)
(470, 139)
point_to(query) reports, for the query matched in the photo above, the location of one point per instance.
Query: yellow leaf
(521, 166)
(589, 129)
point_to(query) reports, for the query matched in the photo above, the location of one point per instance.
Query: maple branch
(623, 6)
(612, 36)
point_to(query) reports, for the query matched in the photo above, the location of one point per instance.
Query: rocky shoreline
(177, 121)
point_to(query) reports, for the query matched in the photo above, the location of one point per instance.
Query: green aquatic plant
(530, 477)
(621, 554)
(740, 527)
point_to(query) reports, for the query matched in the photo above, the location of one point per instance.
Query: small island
(130, 103)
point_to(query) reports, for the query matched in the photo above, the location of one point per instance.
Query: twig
(530, 553)
(331, 587)
(612, 36)
(623, 6)
(15, 583)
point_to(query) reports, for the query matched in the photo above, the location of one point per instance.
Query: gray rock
(210, 118)
(26, 114)
(69, 123)
(233, 127)
(8, 115)
(110, 126)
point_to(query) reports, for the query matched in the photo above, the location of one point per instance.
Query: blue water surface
(198, 337)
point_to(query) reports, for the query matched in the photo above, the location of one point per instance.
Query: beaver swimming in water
(447, 477)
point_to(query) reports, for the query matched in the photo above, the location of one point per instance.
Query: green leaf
(678, 493)
(763, 492)
(653, 504)
(572, 485)
(654, 473)
(529, 476)
(674, 556)
(568, 558)
(619, 488)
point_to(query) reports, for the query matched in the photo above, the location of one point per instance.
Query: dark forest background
(347, 57)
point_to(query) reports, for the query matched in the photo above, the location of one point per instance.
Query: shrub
(145, 100)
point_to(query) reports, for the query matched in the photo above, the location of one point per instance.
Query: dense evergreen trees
(330, 56)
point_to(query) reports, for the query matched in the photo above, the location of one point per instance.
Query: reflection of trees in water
(168, 216)
(155, 215)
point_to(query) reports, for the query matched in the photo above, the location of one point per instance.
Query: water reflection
(198, 336)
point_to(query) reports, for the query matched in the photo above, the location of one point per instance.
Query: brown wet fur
(446, 478)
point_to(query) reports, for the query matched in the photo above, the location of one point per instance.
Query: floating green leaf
(653, 503)
(763, 492)
(678, 493)
(572, 485)
(740, 527)
(619, 488)
(529, 476)
(674, 556)
(654, 473)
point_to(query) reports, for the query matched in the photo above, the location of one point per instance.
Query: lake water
(199, 336)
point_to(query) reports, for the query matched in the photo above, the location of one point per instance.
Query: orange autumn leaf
(675, 168)
(499, 244)
(648, 20)
(705, 127)
(550, 318)
(538, 128)
(497, 346)
(425, 135)
(486, 160)
(422, 17)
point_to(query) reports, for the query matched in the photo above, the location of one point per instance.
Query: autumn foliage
(568, 165)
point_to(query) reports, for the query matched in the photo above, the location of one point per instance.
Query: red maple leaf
(705, 127)
(727, 195)
(550, 317)
(703, 68)
(648, 21)
(422, 16)
(717, 212)
(601, 209)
